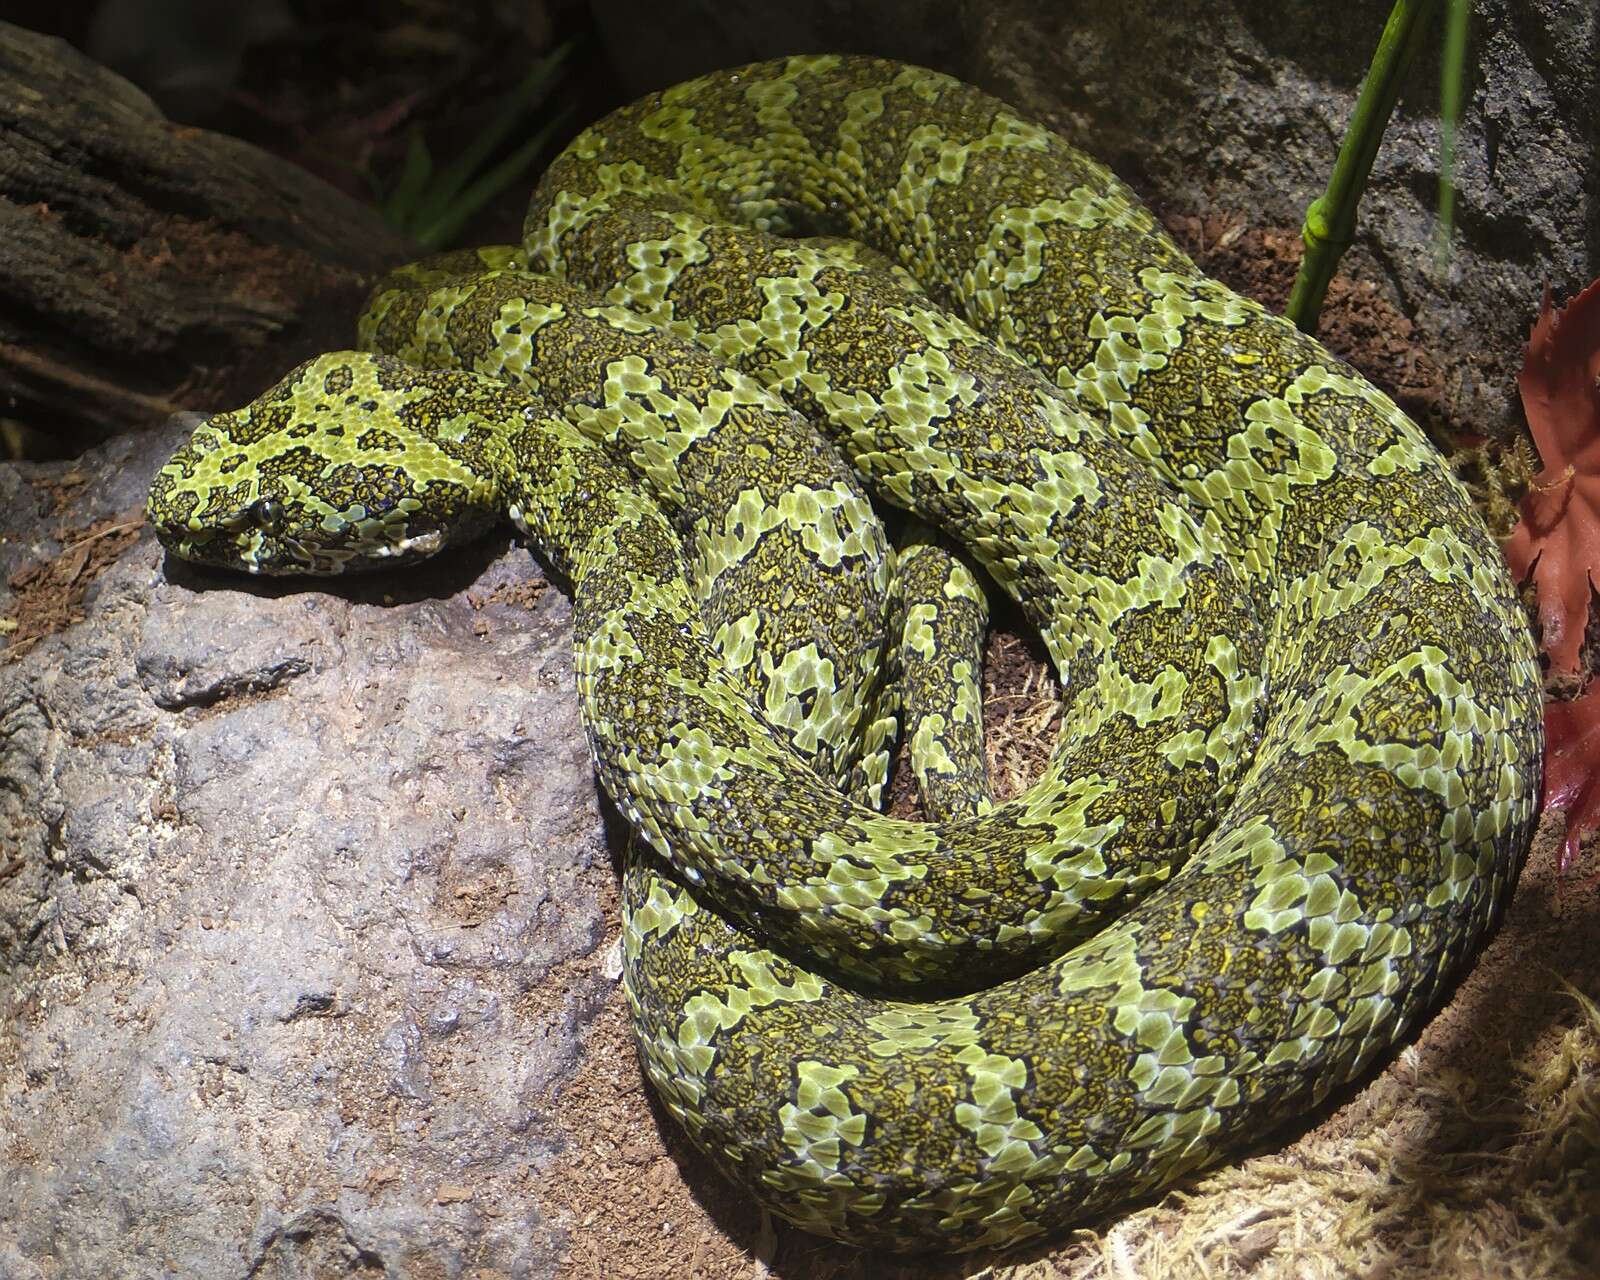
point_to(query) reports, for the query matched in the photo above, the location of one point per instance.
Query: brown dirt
(523, 595)
(49, 594)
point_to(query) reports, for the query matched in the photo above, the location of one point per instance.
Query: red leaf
(1572, 766)
(1558, 538)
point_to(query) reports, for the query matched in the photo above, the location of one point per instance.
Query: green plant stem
(1331, 218)
(1452, 69)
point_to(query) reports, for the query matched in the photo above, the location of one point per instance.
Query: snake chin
(298, 548)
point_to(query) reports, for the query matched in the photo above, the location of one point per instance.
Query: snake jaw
(288, 550)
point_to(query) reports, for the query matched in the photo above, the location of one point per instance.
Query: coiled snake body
(1302, 737)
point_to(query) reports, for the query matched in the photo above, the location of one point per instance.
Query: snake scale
(1302, 736)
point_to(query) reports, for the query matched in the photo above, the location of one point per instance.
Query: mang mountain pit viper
(1302, 732)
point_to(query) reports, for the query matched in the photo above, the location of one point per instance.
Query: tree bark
(147, 266)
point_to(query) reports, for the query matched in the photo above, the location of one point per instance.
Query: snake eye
(267, 513)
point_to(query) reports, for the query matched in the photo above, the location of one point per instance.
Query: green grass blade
(448, 222)
(400, 204)
(511, 113)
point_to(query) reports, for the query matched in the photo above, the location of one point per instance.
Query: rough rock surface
(1239, 106)
(284, 876)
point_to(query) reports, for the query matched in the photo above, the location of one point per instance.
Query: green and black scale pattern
(1301, 709)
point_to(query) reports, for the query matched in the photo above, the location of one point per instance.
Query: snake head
(352, 462)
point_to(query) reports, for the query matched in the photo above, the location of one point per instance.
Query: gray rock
(284, 874)
(1239, 106)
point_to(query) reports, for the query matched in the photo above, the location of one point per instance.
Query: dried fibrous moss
(1498, 476)
(1446, 1178)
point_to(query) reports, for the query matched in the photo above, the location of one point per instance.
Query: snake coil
(1302, 720)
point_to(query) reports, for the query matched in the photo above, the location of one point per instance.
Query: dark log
(147, 266)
